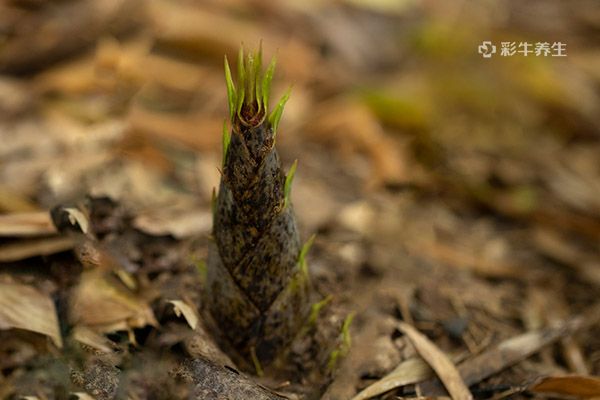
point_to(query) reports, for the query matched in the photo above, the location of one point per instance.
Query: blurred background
(422, 163)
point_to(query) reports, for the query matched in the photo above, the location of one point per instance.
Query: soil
(454, 198)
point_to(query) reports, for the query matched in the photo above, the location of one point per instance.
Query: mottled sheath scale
(257, 288)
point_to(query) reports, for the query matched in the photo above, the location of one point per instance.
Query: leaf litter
(457, 195)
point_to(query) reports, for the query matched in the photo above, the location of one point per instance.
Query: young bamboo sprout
(257, 281)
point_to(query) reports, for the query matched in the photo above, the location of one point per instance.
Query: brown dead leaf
(26, 224)
(350, 127)
(23, 249)
(24, 307)
(176, 222)
(509, 353)
(104, 305)
(91, 338)
(408, 372)
(455, 258)
(439, 362)
(11, 201)
(64, 27)
(569, 385)
(201, 31)
(185, 129)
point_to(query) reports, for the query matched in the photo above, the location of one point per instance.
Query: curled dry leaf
(24, 307)
(104, 305)
(443, 367)
(569, 385)
(76, 217)
(189, 312)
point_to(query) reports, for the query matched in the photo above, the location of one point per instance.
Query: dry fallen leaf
(87, 336)
(34, 247)
(83, 396)
(104, 305)
(24, 307)
(569, 385)
(439, 362)
(410, 371)
(177, 222)
(509, 352)
(188, 312)
(26, 224)
(350, 127)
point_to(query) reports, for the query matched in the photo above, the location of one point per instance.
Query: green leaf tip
(241, 81)
(248, 102)
(287, 187)
(257, 366)
(344, 346)
(303, 252)
(346, 338)
(226, 140)
(202, 269)
(316, 308)
(266, 83)
(275, 116)
(231, 94)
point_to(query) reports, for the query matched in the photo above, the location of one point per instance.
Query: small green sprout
(266, 83)
(344, 347)
(276, 114)
(316, 308)
(303, 252)
(287, 187)
(201, 268)
(241, 81)
(231, 93)
(256, 362)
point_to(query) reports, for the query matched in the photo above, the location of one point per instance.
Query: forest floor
(455, 198)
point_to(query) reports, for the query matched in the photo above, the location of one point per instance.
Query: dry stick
(213, 382)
